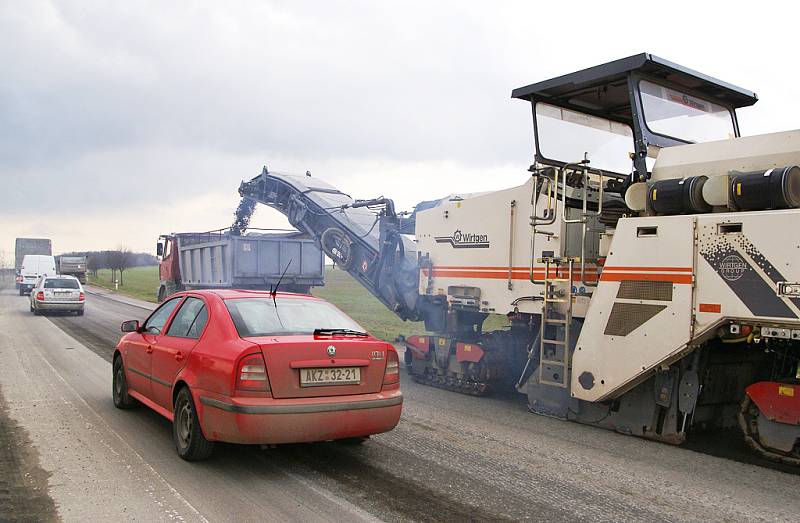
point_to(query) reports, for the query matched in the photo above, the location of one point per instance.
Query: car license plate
(330, 376)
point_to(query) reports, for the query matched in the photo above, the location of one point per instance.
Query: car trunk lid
(303, 366)
(62, 294)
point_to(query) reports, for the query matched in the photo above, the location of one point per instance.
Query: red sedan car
(256, 368)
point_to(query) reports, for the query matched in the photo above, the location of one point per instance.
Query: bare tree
(93, 264)
(6, 272)
(125, 260)
(114, 260)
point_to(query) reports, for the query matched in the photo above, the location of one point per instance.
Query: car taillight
(40, 296)
(392, 374)
(252, 374)
(82, 297)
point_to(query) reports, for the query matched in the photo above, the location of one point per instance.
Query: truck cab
(168, 266)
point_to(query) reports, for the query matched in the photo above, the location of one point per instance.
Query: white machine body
(666, 281)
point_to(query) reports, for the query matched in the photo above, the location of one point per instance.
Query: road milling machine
(649, 266)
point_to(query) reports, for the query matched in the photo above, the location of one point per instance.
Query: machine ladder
(556, 318)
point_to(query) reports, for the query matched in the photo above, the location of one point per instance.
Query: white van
(33, 266)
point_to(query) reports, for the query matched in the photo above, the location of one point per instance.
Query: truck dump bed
(25, 246)
(74, 265)
(220, 259)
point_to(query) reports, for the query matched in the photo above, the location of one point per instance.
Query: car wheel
(36, 312)
(31, 306)
(189, 439)
(119, 388)
(79, 312)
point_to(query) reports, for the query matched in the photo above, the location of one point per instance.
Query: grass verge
(340, 289)
(137, 282)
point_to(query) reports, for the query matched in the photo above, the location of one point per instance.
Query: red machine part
(419, 346)
(778, 402)
(468, 352)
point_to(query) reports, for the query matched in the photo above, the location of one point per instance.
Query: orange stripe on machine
(710, 307)
(502, 273)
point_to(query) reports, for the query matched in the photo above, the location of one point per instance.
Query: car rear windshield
(60, 283)
(262, 317)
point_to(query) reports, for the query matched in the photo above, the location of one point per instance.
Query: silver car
(57, 293)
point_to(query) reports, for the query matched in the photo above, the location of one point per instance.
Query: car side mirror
(130, 326)
(159, 249)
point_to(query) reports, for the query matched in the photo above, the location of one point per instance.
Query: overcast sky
(123, 120)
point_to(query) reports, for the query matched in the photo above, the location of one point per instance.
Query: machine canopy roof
(603, 89)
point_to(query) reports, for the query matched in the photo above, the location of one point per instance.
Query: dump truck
(648, 263)
(73, 266)
(222, 259)
(25, 246)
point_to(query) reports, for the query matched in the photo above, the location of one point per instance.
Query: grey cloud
(119, 103)
(328, 81)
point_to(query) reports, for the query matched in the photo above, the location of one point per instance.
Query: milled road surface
(451, 458)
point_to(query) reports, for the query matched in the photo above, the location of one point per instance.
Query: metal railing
(550, 213)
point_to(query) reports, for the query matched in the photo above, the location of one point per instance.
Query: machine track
(452, 383)
(748, 421)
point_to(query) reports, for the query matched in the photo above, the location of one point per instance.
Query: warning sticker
(785, 391)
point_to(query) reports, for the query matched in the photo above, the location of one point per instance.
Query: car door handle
(149, 349)
(178, 356)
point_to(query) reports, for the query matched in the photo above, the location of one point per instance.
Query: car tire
(36, 312)
(30, 306)
(186, 432)
(119, 387)
(353, 441)
(79, 312)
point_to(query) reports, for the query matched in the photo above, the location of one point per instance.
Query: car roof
(227, 294)
(60, 277)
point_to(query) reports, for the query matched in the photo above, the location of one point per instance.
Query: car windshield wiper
(342, 332)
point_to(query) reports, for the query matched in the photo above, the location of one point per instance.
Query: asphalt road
(452, 458)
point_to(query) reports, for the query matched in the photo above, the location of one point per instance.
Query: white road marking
(133, 451)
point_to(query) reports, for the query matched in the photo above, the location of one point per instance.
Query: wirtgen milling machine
(649, 266)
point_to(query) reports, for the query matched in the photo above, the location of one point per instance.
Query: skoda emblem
(331, 351)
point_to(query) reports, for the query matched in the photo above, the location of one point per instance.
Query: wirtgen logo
(732, 267)
(465, 240)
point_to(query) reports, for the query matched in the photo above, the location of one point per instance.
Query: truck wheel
(189, 439)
